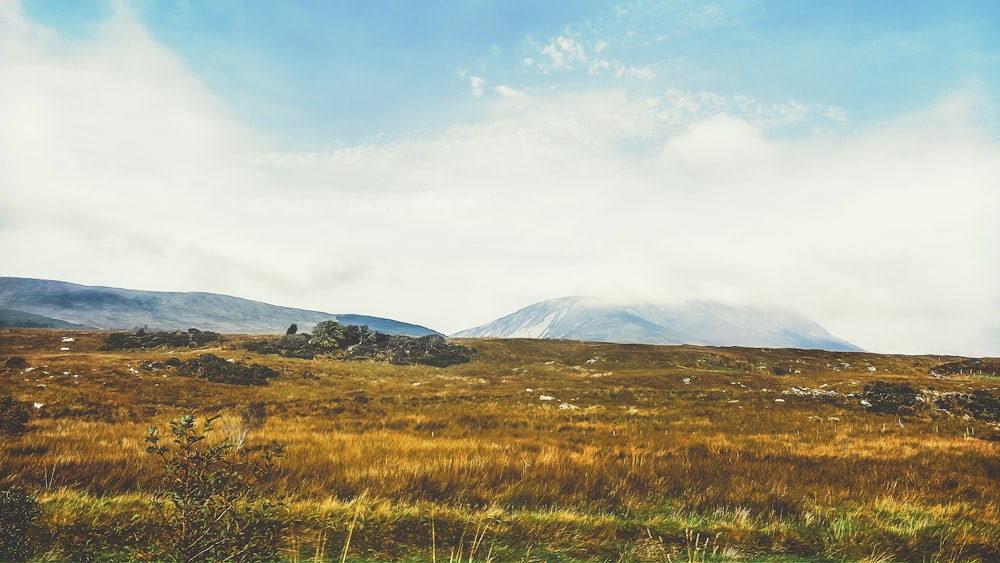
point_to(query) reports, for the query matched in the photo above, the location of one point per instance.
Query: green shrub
(19, 512)
(216, 496)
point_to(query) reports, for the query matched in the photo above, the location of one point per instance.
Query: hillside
(699, 323)
(536, 450)
(124, 309)
(10, 318)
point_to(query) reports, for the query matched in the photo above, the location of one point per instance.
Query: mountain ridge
(113, 308)
(695, 322)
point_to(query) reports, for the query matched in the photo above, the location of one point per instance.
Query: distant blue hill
(48, 302)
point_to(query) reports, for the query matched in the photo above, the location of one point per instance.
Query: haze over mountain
(704, 323)
(48, 303)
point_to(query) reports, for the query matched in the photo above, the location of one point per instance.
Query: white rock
(546, 398)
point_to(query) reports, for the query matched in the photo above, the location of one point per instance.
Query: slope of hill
(704, 323)
(9, 318)
(123, 309)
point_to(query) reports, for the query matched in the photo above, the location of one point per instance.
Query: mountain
(704, 323)
(41, 301)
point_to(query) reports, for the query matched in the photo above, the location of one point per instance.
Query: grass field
(534, 451)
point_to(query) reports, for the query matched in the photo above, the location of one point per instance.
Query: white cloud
(634, 73)
(508, 92)
(476, 82)
(564, 53)
(118, 167)
(720, 142)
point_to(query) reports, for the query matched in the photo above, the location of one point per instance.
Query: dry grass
(642, 453)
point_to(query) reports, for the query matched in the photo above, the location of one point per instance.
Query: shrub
(217, 495)
(14, 417)
(217, 370)
(19, 511)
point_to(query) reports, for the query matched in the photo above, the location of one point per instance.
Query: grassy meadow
(535, 451)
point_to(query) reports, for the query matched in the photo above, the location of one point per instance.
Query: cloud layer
(118, 167)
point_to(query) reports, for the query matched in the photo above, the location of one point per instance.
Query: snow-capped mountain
(704, 323)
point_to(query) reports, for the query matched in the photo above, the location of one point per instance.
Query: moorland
(535, 450)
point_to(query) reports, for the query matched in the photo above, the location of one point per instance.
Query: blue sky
(323, 73)
(448, 162)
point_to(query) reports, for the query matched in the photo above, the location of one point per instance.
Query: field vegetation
(534, 451)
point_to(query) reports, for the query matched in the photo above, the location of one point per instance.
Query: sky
(446, 163)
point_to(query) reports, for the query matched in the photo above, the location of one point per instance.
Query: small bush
(19, 512)
(14, 417)
(217, 496)
(217, 370)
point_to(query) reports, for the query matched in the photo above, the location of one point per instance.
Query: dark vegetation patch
(890, 398)
(14, 417)
(398, 349)
(217, 370)
(980, 405)
(902, 399)
(144, 340)
(16, 362)
(288, 346)
(19, 511)
(977, 366)
(359, 343)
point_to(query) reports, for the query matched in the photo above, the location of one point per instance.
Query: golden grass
(639, 448)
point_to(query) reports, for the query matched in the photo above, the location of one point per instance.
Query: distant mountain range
(703, 323)
(26, 302)
(35, 303)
